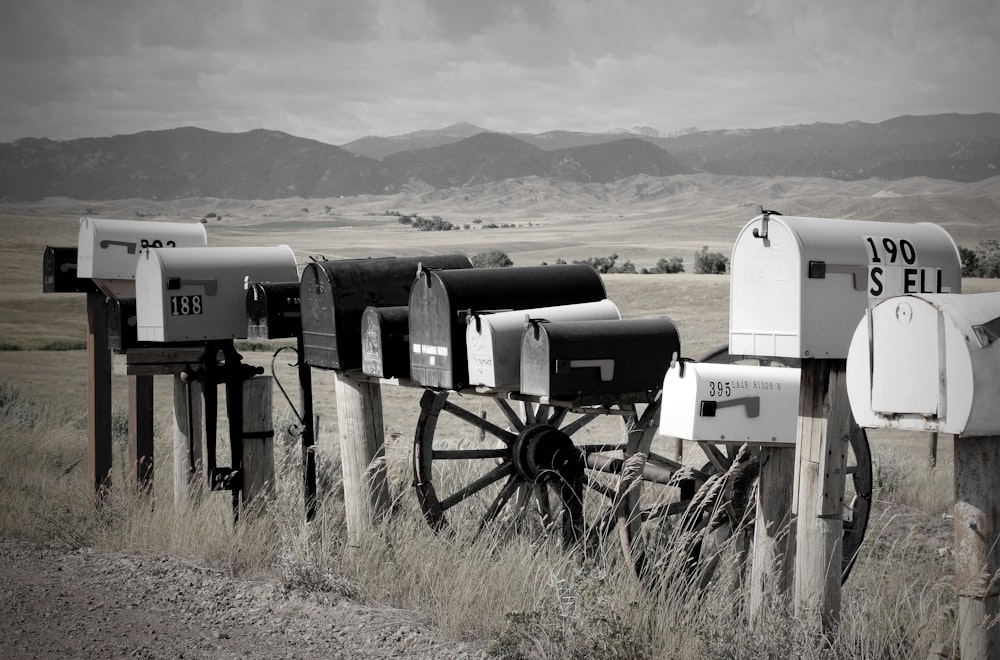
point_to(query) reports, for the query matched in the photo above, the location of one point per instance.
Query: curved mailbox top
(108, 250)
(928, 363)
(199, 294)
(798, 286)
(334, 295)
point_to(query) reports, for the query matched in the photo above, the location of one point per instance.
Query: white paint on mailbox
(108, 250)
(928, 362)
(731, 403)
(199, 294)
(798, 285)
(493, 340)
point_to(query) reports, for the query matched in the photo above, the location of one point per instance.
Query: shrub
(671, 265)
(492, 259)
(710, 263)
(608, 264)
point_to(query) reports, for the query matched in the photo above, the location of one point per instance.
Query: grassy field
(527, 597)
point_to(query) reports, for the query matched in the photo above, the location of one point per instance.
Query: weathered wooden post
(931, 362)
(258, 443)
(98, 395)
(140, 433)
(798, 288)
(188, 438)
(773, 532)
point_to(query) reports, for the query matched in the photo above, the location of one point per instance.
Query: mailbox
(334, 295)
(731, 403)
(569, 359)
(928, 363)
(798, 286)
(108, 250)
(59, 271)
(385, 342)
(493, 340)
(443, 300)
(273, 310)
(122, 320)
(199, 294)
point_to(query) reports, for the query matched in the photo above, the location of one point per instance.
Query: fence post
(188, 437)
(362, 453)
(140, 432)
(98, 395)
(258, 443)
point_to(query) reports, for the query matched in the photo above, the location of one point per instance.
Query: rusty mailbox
(493, 340)
(199, 294)
(273, 310)
(442, 301)
(800, 285)
(334, 295)
(385, 337)
(569, 359)
(928, 363)
(731, 403)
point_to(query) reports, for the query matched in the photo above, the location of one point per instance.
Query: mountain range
(263, 164)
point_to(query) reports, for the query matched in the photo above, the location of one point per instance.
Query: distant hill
(373, 146)
(261, 164)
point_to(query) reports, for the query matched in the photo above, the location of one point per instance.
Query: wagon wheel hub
(543, 453)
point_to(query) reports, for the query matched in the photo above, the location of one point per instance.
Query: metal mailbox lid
(568, 359)
(334, 295)
(273, 310)
(441, 302)
(198, 294)
(928, 363)
(731, 403)
(108, 250)
(493, 339)
(798, 285)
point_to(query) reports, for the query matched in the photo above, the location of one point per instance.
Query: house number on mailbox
(893, 269)
(185, 305)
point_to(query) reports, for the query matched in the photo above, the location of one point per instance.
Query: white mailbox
(798, 286)
(928, 363)
(108, 250)
(493, 340)
(731, 403)
(199, 294)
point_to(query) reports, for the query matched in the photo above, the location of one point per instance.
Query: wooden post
(823, 429)
(362, 453)
(258, 443)
(977, 553)
(188, 438)
(140, 432)
(774, 538)
(932, 449)
(98, 395)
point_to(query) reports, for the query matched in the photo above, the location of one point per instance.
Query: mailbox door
(59, 271)
(385, 342)
(273, 310)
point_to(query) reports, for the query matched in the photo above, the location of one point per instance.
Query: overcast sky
(337, 70)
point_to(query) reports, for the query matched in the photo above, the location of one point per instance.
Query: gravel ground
(79, 603)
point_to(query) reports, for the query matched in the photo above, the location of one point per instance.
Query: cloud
(337, 70)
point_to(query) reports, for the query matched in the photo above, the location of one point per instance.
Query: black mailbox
(441, 302)
(59, 272)
(385, 336)
(273, 310)
(334, 295)
(122, 332)
(570, 359)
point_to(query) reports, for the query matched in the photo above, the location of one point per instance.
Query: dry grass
(521, 592)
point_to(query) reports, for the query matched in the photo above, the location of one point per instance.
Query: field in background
(895, 593)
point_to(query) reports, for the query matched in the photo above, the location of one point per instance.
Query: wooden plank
(140, 433)
(188, 437)
(823, 428)
(258, 444)
(362, 450)
(98, 395)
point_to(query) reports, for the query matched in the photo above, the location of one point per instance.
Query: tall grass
(521, 595)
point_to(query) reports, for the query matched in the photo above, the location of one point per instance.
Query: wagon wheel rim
(534, 465)
(739, 486)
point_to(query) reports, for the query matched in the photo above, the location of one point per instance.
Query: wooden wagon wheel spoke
(479, 484)
(509, 414)
(478, 422)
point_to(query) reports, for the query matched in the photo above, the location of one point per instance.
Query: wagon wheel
(484, 461)
(724, 499)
